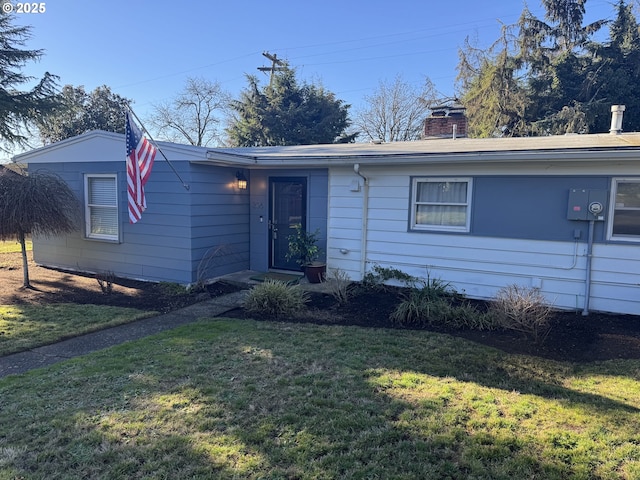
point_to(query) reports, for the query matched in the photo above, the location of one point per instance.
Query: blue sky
(145, 50)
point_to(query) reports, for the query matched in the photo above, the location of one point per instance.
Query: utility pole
(277, 65)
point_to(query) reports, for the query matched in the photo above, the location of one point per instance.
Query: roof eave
(510, 156)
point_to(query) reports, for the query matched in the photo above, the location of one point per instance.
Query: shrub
(378, 275)
(275, 298)
(468, 316)
(436, 288)
(339, 283)
(420, 309)
(105, 281)
(437, 303)
(173, 289)
(523, 309)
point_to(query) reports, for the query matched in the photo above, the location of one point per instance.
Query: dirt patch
(55, 286)
(573, 337)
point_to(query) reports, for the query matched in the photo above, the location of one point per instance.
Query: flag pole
(185, 185)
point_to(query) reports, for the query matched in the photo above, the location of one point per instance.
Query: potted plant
(303, 248)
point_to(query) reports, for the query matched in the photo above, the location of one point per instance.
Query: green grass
(27, 326)
(243, 399)
(13, 246)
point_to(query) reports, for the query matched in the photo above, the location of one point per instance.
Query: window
(441, 204)
(101, 207)
(624, 221)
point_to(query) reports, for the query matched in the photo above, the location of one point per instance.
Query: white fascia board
(615, 154)
(98, 145)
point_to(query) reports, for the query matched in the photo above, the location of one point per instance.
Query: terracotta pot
(315, 272)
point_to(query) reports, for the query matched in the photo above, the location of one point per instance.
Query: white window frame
(612, 211)
(441, 228)
(88, 208)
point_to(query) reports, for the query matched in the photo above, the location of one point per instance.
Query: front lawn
(27, 326)
(8, 246)
(245, 399)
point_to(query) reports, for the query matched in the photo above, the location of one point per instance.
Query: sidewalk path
(49, 354)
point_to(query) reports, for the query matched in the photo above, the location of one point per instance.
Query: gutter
(618, 154)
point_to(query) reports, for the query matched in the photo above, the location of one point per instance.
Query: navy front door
(288, 207)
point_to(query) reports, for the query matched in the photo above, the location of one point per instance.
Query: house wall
(183, 236)
(519, 233)
(219, 223)
(156, 248)
(317, 188)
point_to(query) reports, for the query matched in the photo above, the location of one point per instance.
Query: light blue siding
(179, 228)
(219, 233)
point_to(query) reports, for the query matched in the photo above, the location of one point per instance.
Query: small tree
(40, 203)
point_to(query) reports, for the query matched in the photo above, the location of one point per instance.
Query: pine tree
(555, 56)
(615, 75)
(19, 108)
(285, 113)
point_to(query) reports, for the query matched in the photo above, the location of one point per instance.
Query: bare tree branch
(194, 115)
(395, 111)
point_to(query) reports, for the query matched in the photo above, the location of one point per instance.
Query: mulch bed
(573, 337)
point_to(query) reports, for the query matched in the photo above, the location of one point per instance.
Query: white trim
(87, 209)
(441, 228)
(612, 209)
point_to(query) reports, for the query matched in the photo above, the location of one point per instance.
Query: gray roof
(560, 147)
(442, 150)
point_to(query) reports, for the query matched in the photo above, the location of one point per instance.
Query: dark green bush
(437, 303)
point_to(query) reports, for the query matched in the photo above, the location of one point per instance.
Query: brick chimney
(446, 121)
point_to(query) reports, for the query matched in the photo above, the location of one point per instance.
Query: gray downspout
(587, 288)
(365, 220)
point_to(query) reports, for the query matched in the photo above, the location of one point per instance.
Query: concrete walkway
(49, 354)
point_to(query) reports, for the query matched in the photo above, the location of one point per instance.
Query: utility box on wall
(587, 204)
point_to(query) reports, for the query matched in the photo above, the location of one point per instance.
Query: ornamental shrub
(523, 309)
(275, 298)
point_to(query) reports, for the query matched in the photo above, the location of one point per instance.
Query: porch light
(242, 180)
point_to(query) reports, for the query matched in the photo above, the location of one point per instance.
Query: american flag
(140, 156)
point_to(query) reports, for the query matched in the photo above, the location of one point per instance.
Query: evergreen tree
(285, 113)
(493, 94)
(554, 54)
(615, 75)
(19, 108)
(554, 78)
(78, 111)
